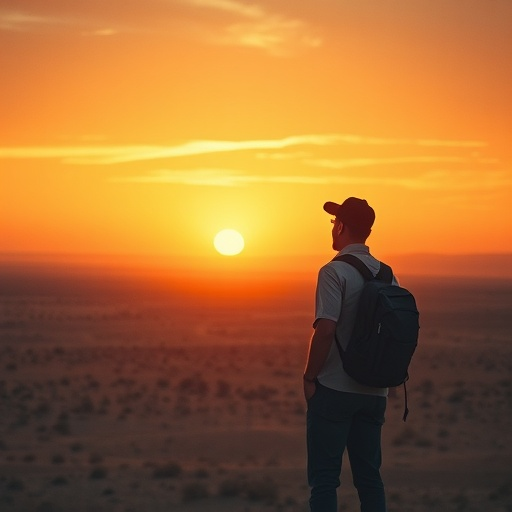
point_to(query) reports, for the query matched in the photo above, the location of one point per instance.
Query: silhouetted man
(341, 412)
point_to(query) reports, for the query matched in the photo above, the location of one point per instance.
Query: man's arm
(319, 348)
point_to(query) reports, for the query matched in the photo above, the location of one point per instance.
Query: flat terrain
(120, 398)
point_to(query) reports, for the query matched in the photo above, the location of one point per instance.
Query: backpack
(385, 332)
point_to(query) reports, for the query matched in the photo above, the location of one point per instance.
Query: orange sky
(143, 127)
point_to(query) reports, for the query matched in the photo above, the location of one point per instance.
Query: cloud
(279, 37)
(434, 180)
(297, 155)
(108, 155)
(104, 155)
(215, 177)
(257, 28)
(452, 143)
(103, 32)
(242, 9)
(18, 21)
(347, 163)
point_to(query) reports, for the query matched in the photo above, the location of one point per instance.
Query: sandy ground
(130, 405)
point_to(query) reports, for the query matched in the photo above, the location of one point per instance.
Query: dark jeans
(336, 420)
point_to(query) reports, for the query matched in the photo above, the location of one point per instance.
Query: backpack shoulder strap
(385, 272)
(358, 265)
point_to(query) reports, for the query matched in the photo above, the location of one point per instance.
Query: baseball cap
(354, 212)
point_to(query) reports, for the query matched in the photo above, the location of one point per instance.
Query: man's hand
(319, 347)
(309, 389)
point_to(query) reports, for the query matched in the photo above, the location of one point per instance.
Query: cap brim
(331, 208)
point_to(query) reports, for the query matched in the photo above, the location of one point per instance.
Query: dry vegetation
(127, 404)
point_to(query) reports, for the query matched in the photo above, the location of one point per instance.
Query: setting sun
(228, 242)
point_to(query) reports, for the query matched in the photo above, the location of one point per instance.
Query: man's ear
(341, 226)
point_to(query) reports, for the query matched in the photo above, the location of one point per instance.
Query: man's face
(336, 231)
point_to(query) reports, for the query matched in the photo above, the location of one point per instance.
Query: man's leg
(328, 424)
(364, 450)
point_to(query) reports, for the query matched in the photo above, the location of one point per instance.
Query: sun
(229, 242)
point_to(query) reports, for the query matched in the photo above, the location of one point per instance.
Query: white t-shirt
(337, 294)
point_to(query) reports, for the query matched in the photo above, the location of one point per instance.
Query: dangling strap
(406, 409)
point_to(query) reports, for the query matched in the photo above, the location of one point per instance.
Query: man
(341, 412)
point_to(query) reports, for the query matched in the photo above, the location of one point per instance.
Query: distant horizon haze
(271, 267)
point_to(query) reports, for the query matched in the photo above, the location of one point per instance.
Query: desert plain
(121, 395)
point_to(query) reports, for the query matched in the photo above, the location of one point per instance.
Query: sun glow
(229, 242)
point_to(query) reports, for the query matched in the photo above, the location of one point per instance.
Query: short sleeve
(329, 295)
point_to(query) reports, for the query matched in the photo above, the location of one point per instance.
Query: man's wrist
(309, 379)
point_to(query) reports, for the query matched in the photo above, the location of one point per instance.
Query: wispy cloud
(19, 21)
(279, 37)
(257, 28)
(348, 163)
(451, 143)
(434, 180)
(103, 155)
(103, 32)
(24, 21)
(107, 155)
(214, 177)
(297, 155)
(232, 6)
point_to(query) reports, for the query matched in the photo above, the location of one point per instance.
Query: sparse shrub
(299, 408)
(42, 409)
(76, 447)
(182, 408)
(262, 392)
(46, 506)
(15, 484)
(504, 491)
(194, 491)
(194, 386)
(62, 428)
(262, 490)
(162, 383)
(230, 487)
(98, 473)
(395, 497)
(406, 437)
(62, 425)
(426, 387)
(423, 442)
(461, 501)
(432, 502)
(58, 459)
(290, 501)
(201, 473)
(95, 458)
(443, 433)
(59, 481)
(85, 406)
(457, 396)
(223, 389)
(170, 470)
(30, 457)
